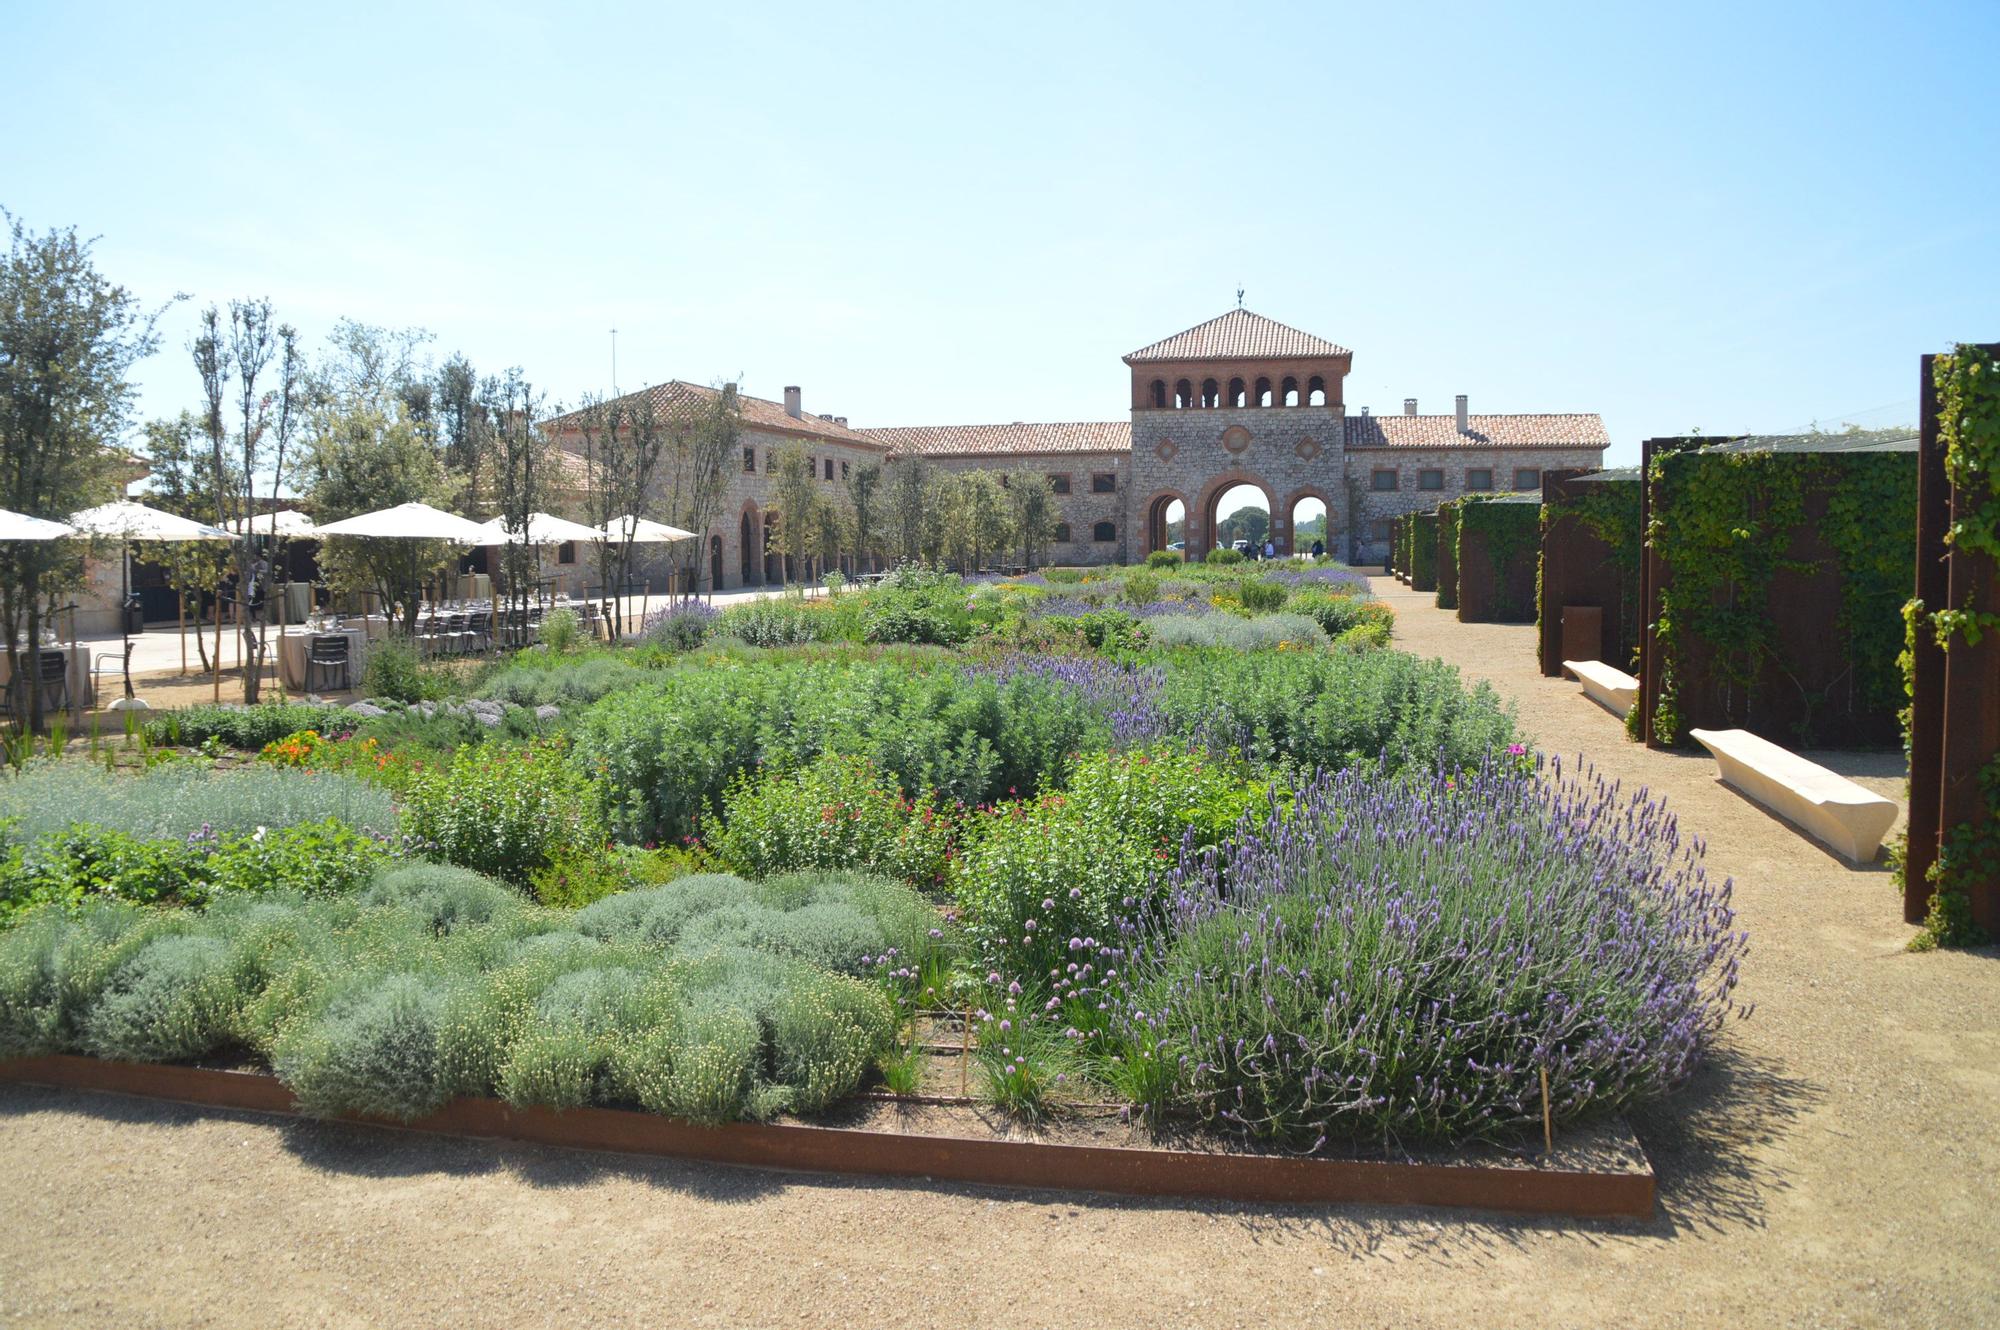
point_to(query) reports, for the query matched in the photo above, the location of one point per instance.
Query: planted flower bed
(1289, 897)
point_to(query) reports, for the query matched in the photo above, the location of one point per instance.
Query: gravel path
(1837, 1166)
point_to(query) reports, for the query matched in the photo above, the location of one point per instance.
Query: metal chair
(329, 656)
(479, 630)
(53, 667)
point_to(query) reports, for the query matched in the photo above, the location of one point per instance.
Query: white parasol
(640, 531)
(126, 522)
(20, 526)
(406, 521)
(289, 522)
(543, 529)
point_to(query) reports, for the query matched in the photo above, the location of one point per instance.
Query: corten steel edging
(1130, 1172)
(1927, 657)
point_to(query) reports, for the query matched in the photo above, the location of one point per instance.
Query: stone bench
(1831, 808)
(1614, 690)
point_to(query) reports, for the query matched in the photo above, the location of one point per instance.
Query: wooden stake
(964, 1048)
(218, 644)
(1548, 1123)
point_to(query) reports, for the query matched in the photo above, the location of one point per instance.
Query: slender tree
(1032, 500)
(798, 509)
(182, 482)
(864, 488)
(909, 491)
(68, 340)
(516, 458)
(623, 442)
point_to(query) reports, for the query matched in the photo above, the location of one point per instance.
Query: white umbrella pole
(124, 615)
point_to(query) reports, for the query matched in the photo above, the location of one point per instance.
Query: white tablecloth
(296, 644)
(82, 696)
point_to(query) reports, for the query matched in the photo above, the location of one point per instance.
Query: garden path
(1835, 1166)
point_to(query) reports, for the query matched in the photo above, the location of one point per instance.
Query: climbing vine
(1423, 551)
(1447, 570)
(1725, 523)
(1511, 531)
(1967, 382)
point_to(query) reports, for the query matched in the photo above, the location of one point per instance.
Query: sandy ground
(1835, 1166)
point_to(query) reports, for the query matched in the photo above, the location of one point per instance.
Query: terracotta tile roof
(1511, 431)
(758, 413)
(1093, 436)
(1237, 335)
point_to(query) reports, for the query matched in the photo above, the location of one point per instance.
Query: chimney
(1409, 406)
(792, 401)
(839, 420)
(1364, 410)
(1459, 402)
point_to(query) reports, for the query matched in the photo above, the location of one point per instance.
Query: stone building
(1240, 400)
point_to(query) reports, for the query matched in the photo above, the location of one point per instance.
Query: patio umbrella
(20, 526)
(640, 531)
(289, 522)
(126, 522)
(406, 521)
(543, 529)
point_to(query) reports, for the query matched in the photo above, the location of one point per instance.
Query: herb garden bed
(1595, 1172)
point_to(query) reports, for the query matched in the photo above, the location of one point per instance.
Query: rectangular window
(829, 468)
(566, 552)
(1104, 531)
(1062, 531)
(843, 470)
(1104, 482)
(1059, 481)
(1479, 478)
(1382, 478)
(1430, 479)
(749, 459)
(1379, 530)
(1527, 478)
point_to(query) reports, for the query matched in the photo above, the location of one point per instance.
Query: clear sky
(1733, 217)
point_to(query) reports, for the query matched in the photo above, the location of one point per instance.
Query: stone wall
(1372, 507)
(1196, 456)
(1081, 509)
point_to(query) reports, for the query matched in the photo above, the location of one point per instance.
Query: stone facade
(1238, 400)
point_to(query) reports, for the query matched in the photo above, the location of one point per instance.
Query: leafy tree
(1031, 499)
(910, 489)
(460, 417)
(183, 483)
(988, 514)
(798, 509)
(623, 442)
(68, 340)
(516, 457)
(367, 448)
(704, 432)
(864, 490)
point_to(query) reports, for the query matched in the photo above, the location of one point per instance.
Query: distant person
(1270, 550)
(1319, 549)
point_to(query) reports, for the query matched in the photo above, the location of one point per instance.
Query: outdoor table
(82, 695)
(296, 645)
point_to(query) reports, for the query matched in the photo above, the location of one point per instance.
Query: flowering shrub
(1042, 880)
(294, 750)
(1263, 633)
(505, 812)
(836, 812)
(1403, 957)
(682, 626)
(770, 622)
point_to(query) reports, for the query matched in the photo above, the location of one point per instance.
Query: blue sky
(1728, 217)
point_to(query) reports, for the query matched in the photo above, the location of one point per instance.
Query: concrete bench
(1831, 808)
(1614, 690)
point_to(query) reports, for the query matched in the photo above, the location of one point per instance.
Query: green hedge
(1510, 532)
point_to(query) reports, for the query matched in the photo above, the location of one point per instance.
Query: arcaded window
(1104, 531)
(1316, 391)
(1261, 394)
(1382, 478)
(1183, 394)
(1479, 478)
(1059, 482)
(1103, 482)
(1527, 478)
(1288, 391)
(1430, 479)
(1211, 395)
(1159, 392)
(1236, 392)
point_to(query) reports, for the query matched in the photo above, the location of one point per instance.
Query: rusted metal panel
(1579, 568)
(1136, 1172)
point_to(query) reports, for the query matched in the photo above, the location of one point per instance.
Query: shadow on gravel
(1708, 1146)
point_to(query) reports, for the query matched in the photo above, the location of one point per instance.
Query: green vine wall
(1423, 551)
(1723, 522)
(1511, 531)
(1967, 383)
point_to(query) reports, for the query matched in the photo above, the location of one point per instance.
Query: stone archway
(1201, 538)
(1292, 502)
(1155, 513)
(750, 535)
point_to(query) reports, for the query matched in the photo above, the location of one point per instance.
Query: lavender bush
(1401, 957)
(682, 626)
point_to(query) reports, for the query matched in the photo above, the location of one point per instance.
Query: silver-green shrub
(179, 799)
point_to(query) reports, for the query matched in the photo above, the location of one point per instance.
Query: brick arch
(750, 552)
(1292, 501)
(1200, 542)
(1153, 519)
